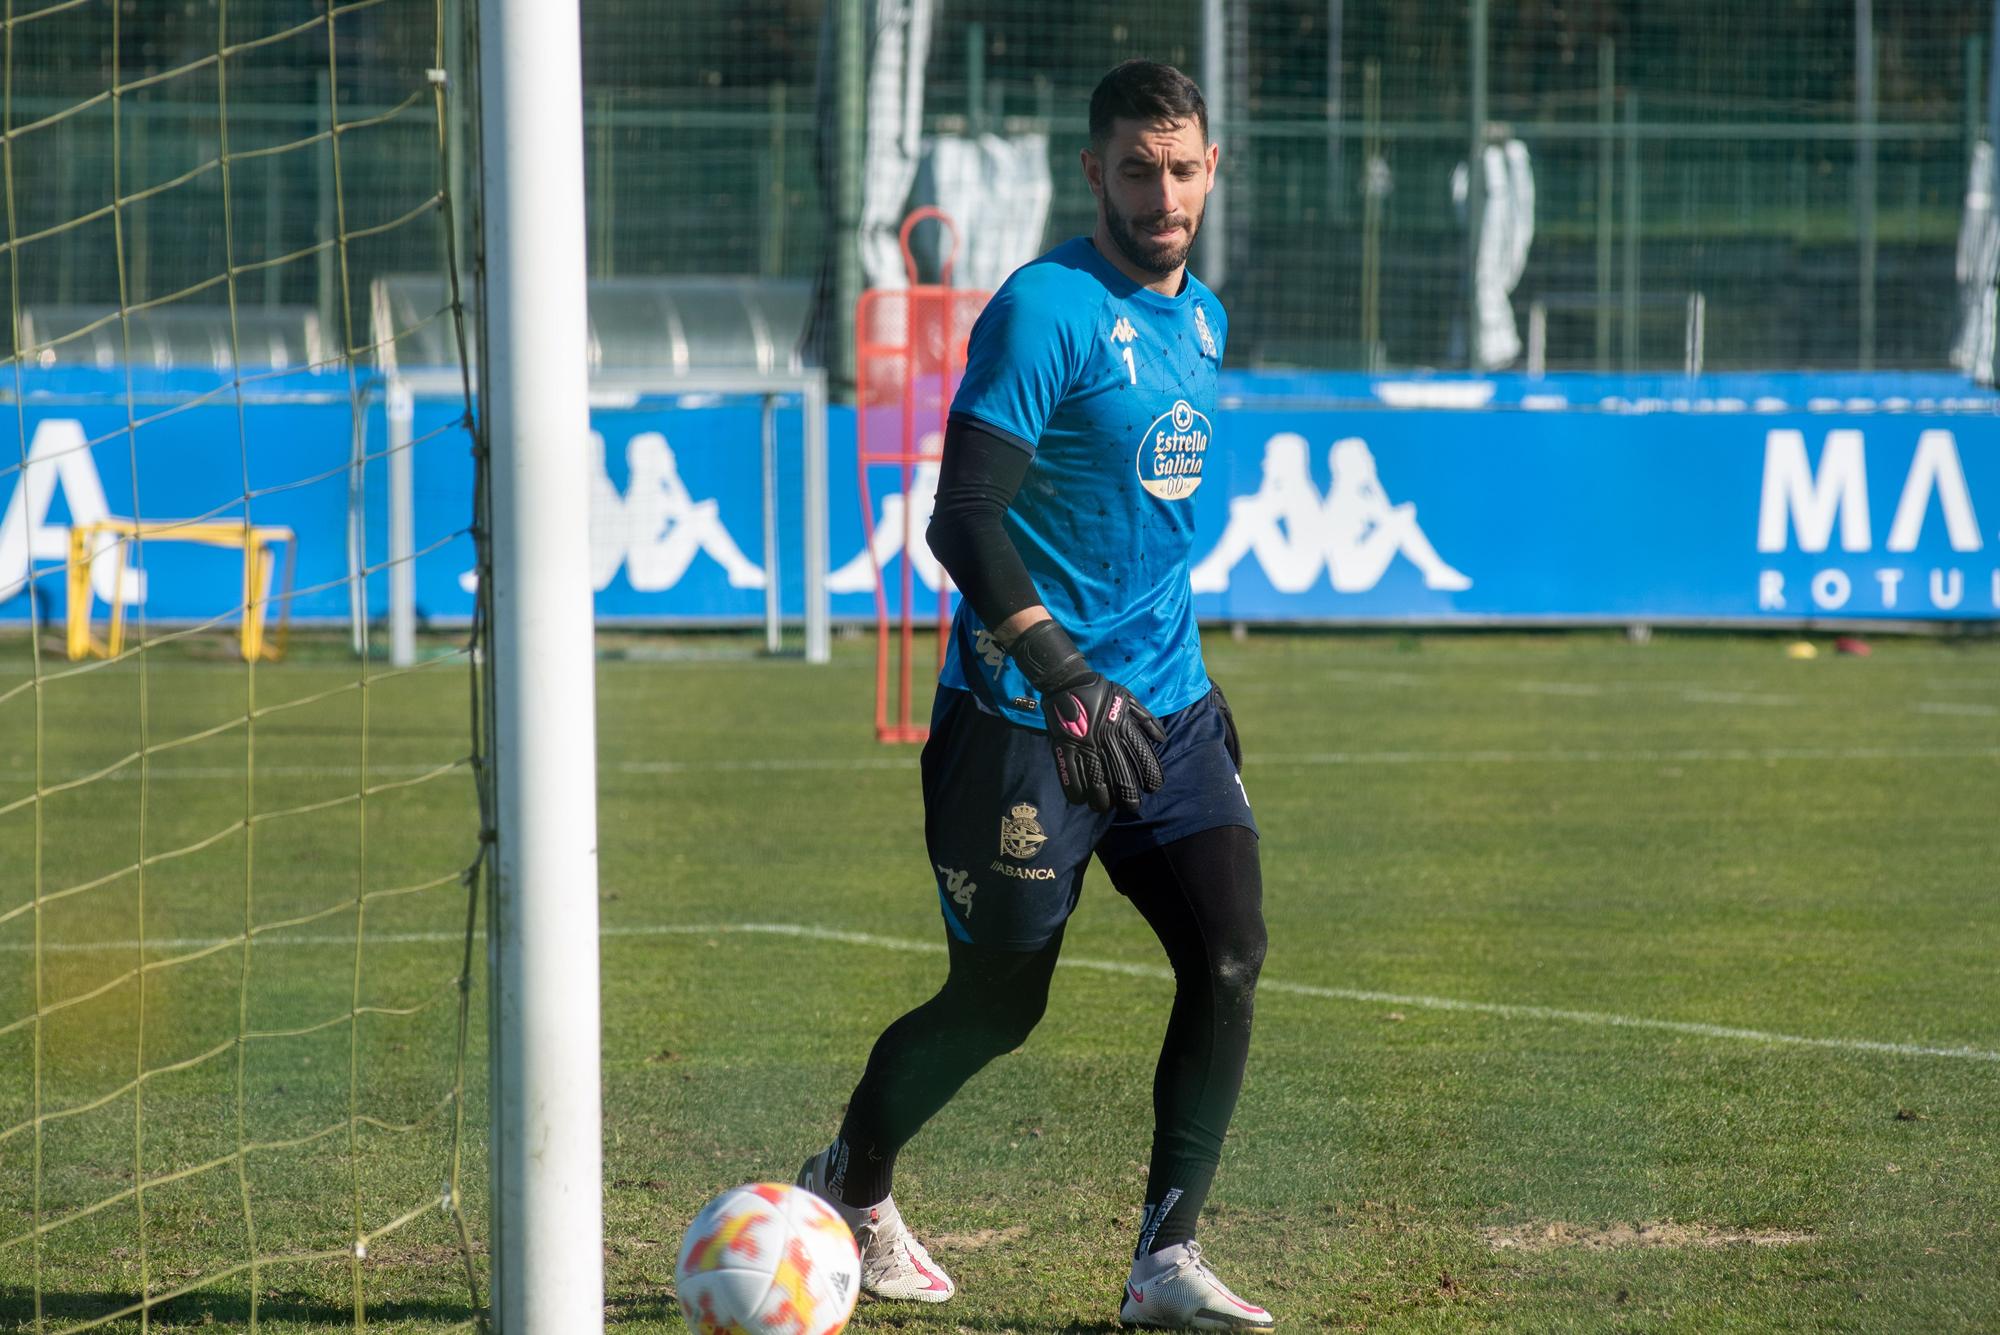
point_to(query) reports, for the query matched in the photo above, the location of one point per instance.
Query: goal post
(534, 404)
(238, 895)
(661, 348)
(93, 540)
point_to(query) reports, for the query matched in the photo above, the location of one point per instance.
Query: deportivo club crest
(1201, 328)
(1021, 835)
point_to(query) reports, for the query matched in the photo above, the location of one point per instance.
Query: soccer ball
(767, 1259)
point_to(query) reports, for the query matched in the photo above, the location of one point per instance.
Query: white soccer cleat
(894, 1265)
(1175, 1288)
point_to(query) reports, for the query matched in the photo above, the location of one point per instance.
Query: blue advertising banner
(1312, 504)
(1571, 516)
(1624, 391)
(182, 452)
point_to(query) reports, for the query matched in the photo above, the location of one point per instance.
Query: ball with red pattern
(767, 1259)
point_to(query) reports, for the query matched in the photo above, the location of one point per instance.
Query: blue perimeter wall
(1324, 497)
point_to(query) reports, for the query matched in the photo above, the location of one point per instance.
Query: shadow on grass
(641, 1307)
(17, 1306)
(662, 1307)
(997, 1321)
(902, 1318)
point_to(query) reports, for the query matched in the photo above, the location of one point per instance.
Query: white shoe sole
(1202, 1320)
(919, 1296)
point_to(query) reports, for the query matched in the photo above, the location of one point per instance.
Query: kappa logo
(989, 650)
(901, 513)
(1201, 328)
(1021, 835)
(656, 528)
(959, 887)
(1354, 533)
(1123, 332)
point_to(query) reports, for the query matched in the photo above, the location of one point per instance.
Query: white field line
(1380, 677)
(1693, 693)
(1706, 696)
(1561, 688)
(1309, 759)
(1959, 708)
(130, 773)
(1586, 756)
(774, 765)
(1413, 1001)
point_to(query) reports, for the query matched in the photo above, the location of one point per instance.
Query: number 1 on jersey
(1130, 368)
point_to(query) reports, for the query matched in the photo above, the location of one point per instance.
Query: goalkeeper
(1074, 714)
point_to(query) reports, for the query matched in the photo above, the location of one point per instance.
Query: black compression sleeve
(977, 478)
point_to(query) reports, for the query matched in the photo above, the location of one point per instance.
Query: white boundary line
(1314, 759)
(1414, 1001)
(1687, 692)
(1965, 708)
(1587, 756)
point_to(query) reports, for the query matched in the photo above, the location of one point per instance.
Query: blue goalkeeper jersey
(1111, 387)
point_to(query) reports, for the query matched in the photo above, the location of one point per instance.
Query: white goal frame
(533, 401)
(542, 939)
(402, 387)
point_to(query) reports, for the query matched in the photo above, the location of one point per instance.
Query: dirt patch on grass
(1544, 1237)
(978, 1238)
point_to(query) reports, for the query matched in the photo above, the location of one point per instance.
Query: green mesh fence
(236, 894)
(1745, 153)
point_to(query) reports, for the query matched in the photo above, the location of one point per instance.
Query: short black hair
(1145, 90)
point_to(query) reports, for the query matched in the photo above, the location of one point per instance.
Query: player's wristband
(1048, 657)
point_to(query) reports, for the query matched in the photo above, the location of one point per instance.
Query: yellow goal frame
(256, 541)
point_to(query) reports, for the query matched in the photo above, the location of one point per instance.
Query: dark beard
(1160, 262)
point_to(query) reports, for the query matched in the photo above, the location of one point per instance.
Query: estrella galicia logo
(1172, 452)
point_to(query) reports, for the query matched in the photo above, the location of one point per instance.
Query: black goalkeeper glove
(1105, 741)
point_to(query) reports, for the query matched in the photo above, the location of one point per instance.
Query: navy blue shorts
(1009, 850)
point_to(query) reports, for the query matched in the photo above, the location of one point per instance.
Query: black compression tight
(990, 1001)
(1203, 897)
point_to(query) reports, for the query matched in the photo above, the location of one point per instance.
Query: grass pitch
(1610, 986)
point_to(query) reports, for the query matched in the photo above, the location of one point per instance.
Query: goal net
(238, 887)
